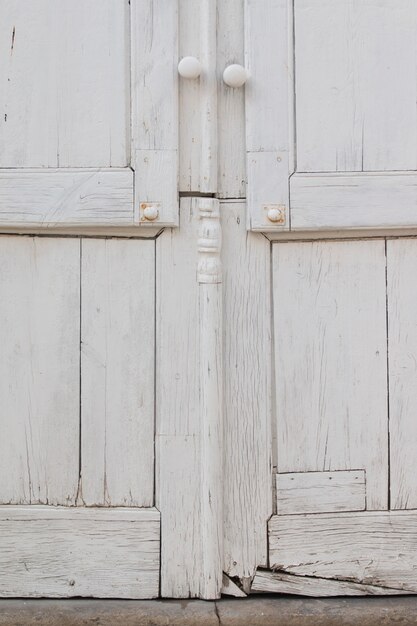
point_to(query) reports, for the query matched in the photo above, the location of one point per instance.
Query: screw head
(150, 213)
(276, 215)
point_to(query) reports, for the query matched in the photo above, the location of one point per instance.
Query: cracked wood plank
(117, 372)
(266, 581)
(39, 364)
(230, 588)
(320, 492)
(371, 548)
(63, 552)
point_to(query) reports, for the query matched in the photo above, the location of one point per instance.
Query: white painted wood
(328, 201)
(268, 51)
(320, 492)
(53, 198)
(279, 582)
(208, 96)
(247, 480)
(154, 48)
(374, 548)
(177, 405)
(39, 364)
(189, 99)
(356, 92)
(231, 181)
(117, 372)
(64, 552)
(209, 277)
(64, 83)
(402, 342)
(331, 360)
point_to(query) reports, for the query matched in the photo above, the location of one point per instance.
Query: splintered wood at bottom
(280, 582)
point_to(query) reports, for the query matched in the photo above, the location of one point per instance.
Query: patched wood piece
(320, 492)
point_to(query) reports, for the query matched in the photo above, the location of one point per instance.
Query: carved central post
(209, 277)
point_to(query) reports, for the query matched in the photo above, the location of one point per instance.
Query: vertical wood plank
(353, 58)
(231, 102)
(64, 83)
(117, 372)
(154, 77)
(247, 393)
(208, 96)
(268, 102)
(331, 360)
(39, 364)
(402, 342)
(177, 405)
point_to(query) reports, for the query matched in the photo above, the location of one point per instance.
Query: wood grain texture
(314, 586)
(353, 58)
(375, 548)
(320, 492)
(247, 393)
(117, 372)
(177, 405)
(331, 360)
(332, 201)
(64, 552)
(64, 83)
(231, 182)
(402, 338)
(64, 198)
(154, 77)
(39, 363)
(268, 51)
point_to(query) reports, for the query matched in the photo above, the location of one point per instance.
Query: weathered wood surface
(372, 547)
(247, 393)
(64, 552)
(279, 582)
(330, 343)
(320, 492)
(268, 103)
(154, 78)
(64, 83)
(117, 372)
(353, 59)
(340, 201)
(52, 198)
(402, 342)
(177, 406)
(230, 588)
(40, 374)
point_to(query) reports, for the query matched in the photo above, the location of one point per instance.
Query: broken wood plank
(266, 581)
(230, 588)
(320, 492)
(371, 547)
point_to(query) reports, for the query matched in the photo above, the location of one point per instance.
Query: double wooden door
(177, 418)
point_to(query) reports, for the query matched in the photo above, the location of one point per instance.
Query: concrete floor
(254, 611)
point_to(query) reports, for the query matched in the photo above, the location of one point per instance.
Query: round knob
(189, 67)
(235, 75)
(150, 213)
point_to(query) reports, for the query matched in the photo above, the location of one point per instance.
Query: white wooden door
(87, 135)
(339, 166)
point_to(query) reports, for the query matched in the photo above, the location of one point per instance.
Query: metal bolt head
(189, 67)
(150, 213)
(276, 215)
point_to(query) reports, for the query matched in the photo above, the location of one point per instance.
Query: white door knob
(235, 75)
(189, 67)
